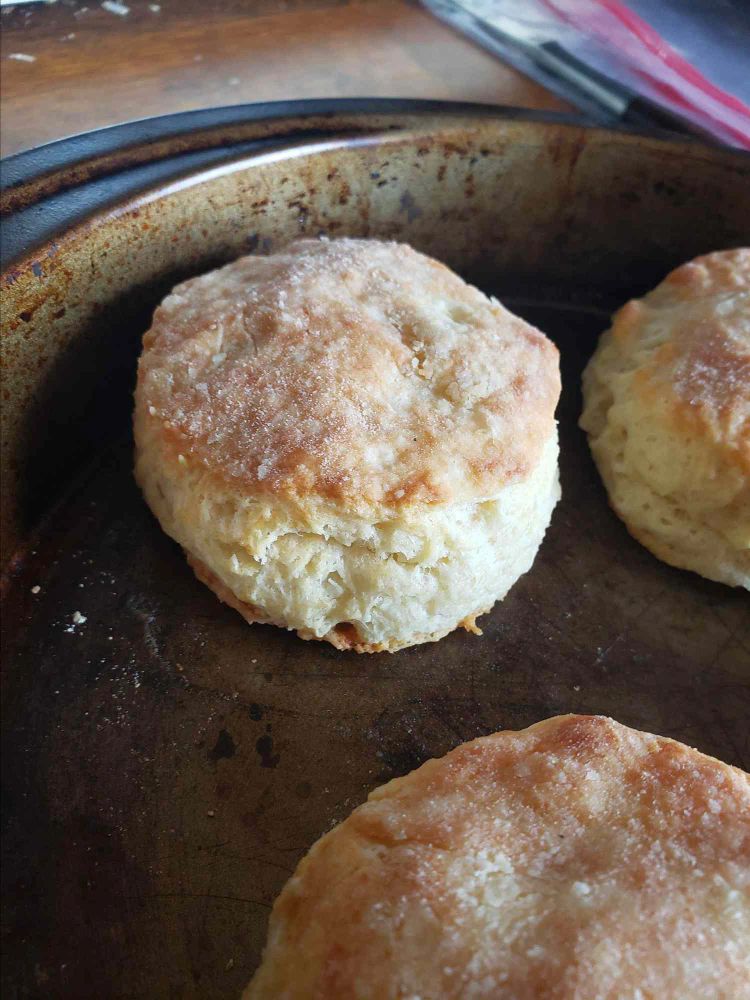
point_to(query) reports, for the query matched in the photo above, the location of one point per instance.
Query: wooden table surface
(74, 65)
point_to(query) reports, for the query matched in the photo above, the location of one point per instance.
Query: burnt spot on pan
(224, 748)
(264, 747)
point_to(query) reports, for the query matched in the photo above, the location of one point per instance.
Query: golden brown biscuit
(667, 411)
(348, 440)
(574, 860)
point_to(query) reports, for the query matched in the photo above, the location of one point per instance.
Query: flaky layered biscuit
(667, 411)
(574, 860)
(348, 440)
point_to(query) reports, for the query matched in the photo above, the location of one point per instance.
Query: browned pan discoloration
(545, 198)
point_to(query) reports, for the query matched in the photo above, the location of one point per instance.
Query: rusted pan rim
(28, 176)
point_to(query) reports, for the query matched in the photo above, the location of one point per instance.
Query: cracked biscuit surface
(667, 412)
(574, 860)
(348, 440)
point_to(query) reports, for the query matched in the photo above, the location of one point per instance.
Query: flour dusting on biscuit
(348, 440)
(574, 860)
(667, 411)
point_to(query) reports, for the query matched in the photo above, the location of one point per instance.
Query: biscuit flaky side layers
(574, 860)
(348, 440)
(667, 411)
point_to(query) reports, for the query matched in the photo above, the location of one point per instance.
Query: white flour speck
(115, 8)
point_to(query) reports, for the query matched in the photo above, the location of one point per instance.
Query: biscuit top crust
(698, 321)
(350, 370)
(577, 859)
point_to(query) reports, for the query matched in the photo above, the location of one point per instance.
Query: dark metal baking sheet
(166, 765)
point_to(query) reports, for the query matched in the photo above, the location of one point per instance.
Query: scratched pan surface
(165, 765)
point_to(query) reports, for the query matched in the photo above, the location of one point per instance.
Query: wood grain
(94, 68)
